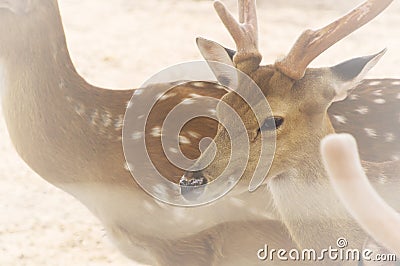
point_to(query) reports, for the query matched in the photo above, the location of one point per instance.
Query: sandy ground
(120, 43)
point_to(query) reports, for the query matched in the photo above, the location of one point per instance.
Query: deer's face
(298, 112)
(296, 123)
(298, 97)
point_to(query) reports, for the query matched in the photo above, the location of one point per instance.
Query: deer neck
(312, 212)
(309, 207)
(59, 124)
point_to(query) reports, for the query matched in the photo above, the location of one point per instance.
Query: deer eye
(271, 123)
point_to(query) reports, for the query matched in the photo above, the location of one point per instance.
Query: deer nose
(192, 185)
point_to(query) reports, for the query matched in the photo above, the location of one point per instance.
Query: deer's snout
(192, 185)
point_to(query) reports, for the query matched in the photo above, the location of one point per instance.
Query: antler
(312, 43)
(244, 33)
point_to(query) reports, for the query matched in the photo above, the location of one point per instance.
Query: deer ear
(349, 73)
(225, 72)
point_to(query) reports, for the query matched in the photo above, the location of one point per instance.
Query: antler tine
(241, 11)
(312, 43)
(244, 33)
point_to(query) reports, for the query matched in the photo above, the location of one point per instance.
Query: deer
(298, 95)
(70, 133)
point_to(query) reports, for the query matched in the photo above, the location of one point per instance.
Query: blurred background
(121, 43)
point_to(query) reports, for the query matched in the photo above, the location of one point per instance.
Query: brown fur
(56, 122)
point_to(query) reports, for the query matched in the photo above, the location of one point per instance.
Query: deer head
(298, 96)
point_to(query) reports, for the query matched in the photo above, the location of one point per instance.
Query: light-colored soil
(120, 43)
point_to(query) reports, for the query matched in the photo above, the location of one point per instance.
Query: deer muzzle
(192, 185)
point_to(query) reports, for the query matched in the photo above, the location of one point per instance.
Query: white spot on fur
(362, 110)
(79, 109)
(94, 116)
(173, 150)
(140, 117)
(119, 122)
(212, 111)
(187, 101)
(370, 132)
(365, 169)
(382, 179)
(156, 132)
(184, 140)
(106, 118)
(195, 95)
(193, 134)
(167, 95)
(340, 119)
(389, 137)
(199, 84)
(61, 84)
(138, 92)
(379, 101)
(137, 135)
(158, 96)
(374, 83)
(354, 97)
(219, 87)
(377, 93)
(128, 166)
